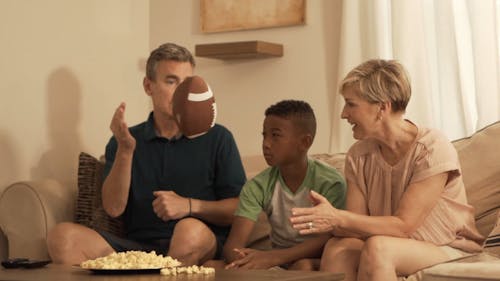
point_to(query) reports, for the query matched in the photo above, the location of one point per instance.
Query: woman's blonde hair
(380, 81)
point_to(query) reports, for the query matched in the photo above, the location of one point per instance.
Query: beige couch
(29, 209)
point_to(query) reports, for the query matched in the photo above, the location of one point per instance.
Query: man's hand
(170, 206)
(120, 129)
(253, 259)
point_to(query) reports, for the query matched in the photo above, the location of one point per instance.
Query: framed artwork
(230, 15)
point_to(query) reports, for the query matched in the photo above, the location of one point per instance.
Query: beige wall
(245, 88)
(65, 66)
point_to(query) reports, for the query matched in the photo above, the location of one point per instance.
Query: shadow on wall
(8, 161)
(9, 172)
(60, 161)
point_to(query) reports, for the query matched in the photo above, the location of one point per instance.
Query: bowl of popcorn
(141, 262)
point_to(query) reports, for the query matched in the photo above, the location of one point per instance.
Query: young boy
(289, 130)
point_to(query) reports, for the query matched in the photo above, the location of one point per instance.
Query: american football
(194, 107)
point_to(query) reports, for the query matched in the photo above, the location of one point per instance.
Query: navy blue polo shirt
(207, 167)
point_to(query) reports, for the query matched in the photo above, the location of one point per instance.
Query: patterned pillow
(492, 243)
(89, 211)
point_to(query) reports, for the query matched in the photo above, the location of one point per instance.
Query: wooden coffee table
(69, 273)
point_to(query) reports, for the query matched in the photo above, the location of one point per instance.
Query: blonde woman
(406, 207)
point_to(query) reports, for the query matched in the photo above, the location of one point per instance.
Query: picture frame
(232, 15)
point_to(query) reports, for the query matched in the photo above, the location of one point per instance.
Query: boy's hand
(170, 206)
(253, 259)
(120, 129)
(239, 253)
(233, 255)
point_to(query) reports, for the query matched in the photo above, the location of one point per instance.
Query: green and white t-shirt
(268, 192)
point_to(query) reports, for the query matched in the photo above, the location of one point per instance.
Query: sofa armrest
(28, 210)
(3, 246)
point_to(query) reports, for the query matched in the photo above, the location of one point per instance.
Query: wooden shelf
(239, 50)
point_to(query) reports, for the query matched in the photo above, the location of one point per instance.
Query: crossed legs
(69, 243)
(379, 257)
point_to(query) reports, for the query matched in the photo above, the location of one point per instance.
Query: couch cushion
(89, 210)
(472, 268)
(336, 160)
(480, 161)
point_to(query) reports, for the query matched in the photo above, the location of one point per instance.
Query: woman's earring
(379, 114)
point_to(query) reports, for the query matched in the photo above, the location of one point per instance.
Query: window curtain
(450, 49)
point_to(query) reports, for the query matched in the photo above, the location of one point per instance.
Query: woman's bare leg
(342, 256)
(384, 257)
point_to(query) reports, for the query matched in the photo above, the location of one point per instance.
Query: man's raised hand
(120, 129)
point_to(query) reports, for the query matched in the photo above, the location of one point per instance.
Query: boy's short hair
(167, 51)
(299, 112)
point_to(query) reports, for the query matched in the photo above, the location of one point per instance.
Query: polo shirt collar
(150, 132)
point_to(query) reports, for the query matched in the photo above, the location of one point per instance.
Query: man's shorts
(160, 246)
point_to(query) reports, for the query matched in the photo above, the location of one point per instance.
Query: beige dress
(451, 222)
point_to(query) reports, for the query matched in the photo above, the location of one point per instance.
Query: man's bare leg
(71, 243)
(193, 242)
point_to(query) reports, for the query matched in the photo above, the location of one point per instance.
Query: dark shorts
(161, 246)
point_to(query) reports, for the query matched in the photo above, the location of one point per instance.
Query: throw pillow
(492, 242)
(89, 210)
(335, 160)
(479, 156)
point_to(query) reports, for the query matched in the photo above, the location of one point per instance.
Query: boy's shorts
(160, 246)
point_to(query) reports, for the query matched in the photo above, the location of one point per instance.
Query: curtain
(450, 49)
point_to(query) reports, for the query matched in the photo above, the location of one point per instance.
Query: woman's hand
(321, 218)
